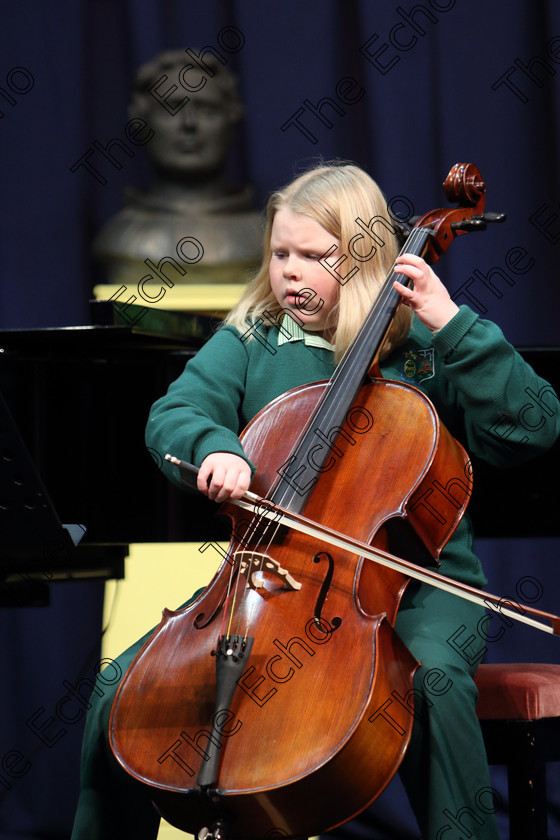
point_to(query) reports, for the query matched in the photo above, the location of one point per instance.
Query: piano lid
(115, 325)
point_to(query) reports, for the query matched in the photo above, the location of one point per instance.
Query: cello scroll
(463, 185)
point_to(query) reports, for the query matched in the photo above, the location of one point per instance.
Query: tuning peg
(469, 224)
(478, 222)
(494, 217)
(403, 229)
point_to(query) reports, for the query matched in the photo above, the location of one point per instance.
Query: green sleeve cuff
(447, 338)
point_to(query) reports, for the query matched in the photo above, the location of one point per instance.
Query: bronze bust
(190, 195)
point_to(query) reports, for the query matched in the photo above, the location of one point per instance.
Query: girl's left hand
(429, 298)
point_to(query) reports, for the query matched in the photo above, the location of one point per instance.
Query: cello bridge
(251, 563)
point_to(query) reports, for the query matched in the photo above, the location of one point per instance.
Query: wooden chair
(519, 713)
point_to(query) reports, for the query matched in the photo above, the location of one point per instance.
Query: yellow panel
(169, 832)
(157, 575)
(202, 297)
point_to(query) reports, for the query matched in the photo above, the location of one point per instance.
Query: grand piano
(77, 485)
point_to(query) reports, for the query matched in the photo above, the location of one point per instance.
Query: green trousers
(444, 771)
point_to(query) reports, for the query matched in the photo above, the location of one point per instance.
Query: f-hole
(336, 621)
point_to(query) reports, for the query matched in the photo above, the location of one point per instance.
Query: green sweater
(489, 398)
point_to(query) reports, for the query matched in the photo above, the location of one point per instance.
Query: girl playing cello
(291, 327)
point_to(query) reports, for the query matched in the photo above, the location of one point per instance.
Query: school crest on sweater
(417, 365)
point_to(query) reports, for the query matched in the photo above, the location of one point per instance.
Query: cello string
(230, 581)
(249, 571)
(253, 529)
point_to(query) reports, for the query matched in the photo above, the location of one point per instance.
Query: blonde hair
(335, 195)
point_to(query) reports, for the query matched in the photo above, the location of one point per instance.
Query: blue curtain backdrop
(406, 90)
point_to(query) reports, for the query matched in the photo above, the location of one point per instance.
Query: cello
(252, 710)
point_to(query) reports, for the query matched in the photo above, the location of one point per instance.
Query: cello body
(305, 742)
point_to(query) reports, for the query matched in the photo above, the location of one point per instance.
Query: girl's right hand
(223, 475)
